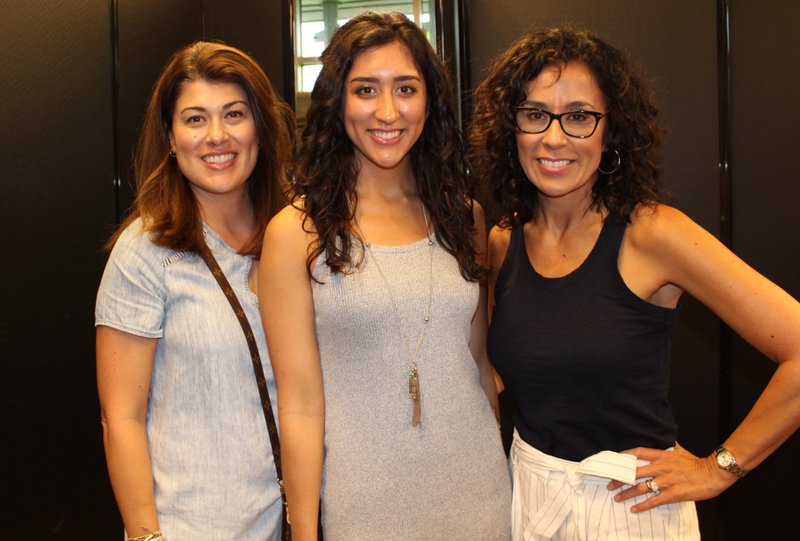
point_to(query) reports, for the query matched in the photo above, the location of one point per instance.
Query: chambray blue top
(212, 461)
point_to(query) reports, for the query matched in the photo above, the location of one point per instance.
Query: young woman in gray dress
(373, 302)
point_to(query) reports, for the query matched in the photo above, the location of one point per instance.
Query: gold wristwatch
(727, 462)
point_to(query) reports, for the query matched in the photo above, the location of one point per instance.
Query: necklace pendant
(413, 394)
(413, 384)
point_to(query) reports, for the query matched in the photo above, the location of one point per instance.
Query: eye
(578, 116)
(194, 119)
(535, 114)
(364, 91)
(407, 90)
(236, 114)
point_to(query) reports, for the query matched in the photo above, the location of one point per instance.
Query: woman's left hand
(676, 476)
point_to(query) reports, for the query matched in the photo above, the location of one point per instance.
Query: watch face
(724, 458)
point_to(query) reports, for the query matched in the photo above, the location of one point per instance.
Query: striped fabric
(557, 499)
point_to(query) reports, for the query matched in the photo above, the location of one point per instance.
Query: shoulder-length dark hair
(326, 170)
(631, 115)
(163, 197)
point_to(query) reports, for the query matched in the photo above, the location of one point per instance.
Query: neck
(567, 211)
(561, 219)
(232, 219)
(389, 184)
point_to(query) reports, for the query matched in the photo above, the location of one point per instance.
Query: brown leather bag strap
(266, 404)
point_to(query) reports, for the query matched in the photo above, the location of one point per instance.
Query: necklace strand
(413, 375)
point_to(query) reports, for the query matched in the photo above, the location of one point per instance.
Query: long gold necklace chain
(413, 375)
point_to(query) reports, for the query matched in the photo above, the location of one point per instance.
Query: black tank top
(584, 360)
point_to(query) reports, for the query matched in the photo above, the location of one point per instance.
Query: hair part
(326, 171)
(632, 128)
(164, 198)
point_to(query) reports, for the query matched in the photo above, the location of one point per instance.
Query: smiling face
(214, 138)
(384, 106)
(557, 164)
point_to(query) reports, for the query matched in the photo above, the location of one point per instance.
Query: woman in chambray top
(186, 444)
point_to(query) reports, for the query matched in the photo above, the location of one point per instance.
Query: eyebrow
(203, 109)
(398, 79)
(571, 106)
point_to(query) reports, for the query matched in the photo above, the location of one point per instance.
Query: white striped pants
(560, 500)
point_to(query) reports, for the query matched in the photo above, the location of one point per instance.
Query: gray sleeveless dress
(384, 479)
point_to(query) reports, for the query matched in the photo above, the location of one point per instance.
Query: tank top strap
(510, 267)
(606, 249)
(517, 243)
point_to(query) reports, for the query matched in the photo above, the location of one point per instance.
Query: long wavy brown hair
(163, 197)
(326, 171)
(631, 115)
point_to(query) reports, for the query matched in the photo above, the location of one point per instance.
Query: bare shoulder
(656, 222)
(499, 239)
(288, 220)
(289, 226)
(287, 240)
(660, 229)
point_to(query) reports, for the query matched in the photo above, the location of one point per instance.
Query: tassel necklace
(413, 375)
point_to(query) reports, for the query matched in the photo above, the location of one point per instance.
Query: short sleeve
(132, 295)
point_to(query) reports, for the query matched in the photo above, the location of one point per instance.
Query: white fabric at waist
(603, 465)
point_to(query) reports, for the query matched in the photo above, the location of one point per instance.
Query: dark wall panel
(147, 33)
(766, 206)
(56, 195)
(674, 41)
(254, 27)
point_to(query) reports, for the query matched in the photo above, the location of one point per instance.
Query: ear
(171, 142)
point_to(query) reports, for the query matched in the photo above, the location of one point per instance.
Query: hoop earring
(617, 162)
(172, 153)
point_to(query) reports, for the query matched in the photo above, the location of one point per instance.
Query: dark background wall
(76, 76)
(765, 207)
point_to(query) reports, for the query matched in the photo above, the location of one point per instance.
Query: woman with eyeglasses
(588, 267)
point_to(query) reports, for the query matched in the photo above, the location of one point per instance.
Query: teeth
(554, 163)
(219, 158)
(385, 134)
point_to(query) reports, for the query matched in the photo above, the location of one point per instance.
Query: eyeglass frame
(557, 116)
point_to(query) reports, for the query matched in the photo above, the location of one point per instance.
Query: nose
(216, 133)
(554, 136)
(387, 111)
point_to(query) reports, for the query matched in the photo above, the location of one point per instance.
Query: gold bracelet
(150, 536)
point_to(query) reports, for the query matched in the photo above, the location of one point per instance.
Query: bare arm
(685, 256)
(287, 311)
(124, 367)
(477, 341)
(498, 247)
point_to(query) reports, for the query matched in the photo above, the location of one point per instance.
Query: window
(317, 20)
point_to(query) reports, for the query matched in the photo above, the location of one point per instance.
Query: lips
(219, 159)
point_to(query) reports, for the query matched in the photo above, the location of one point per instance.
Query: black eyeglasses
(580, 124)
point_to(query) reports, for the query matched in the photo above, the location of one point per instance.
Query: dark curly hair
(326, 168)
(631, 115)
(163, 196)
